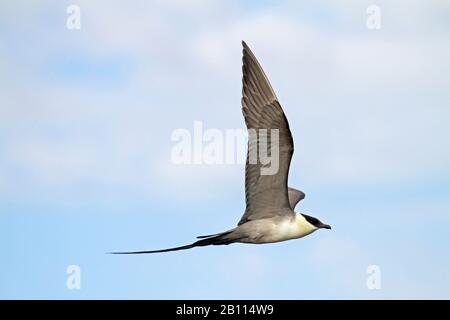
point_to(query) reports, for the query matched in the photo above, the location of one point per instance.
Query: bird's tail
(218, 239)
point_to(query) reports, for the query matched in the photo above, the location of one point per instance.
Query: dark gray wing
(266, 195)
(295, 196)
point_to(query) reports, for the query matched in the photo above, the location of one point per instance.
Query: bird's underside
(269, 215)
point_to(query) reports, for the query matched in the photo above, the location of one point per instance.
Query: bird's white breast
(287, 229)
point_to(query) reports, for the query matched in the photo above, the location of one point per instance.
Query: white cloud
(364, 107)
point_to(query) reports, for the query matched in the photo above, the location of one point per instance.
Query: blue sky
(86, 118)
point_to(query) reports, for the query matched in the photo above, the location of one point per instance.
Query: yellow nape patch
(304, 227)
(291, 229)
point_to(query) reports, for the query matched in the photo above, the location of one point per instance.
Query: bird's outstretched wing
(295, 196)
(266, 194)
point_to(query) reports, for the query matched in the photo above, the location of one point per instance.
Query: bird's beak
(324, 226)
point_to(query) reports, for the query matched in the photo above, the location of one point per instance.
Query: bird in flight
(269, 214)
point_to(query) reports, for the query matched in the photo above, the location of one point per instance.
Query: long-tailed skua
(269, 214)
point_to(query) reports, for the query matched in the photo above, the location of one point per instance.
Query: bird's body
(275, 229)
(269, 215)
